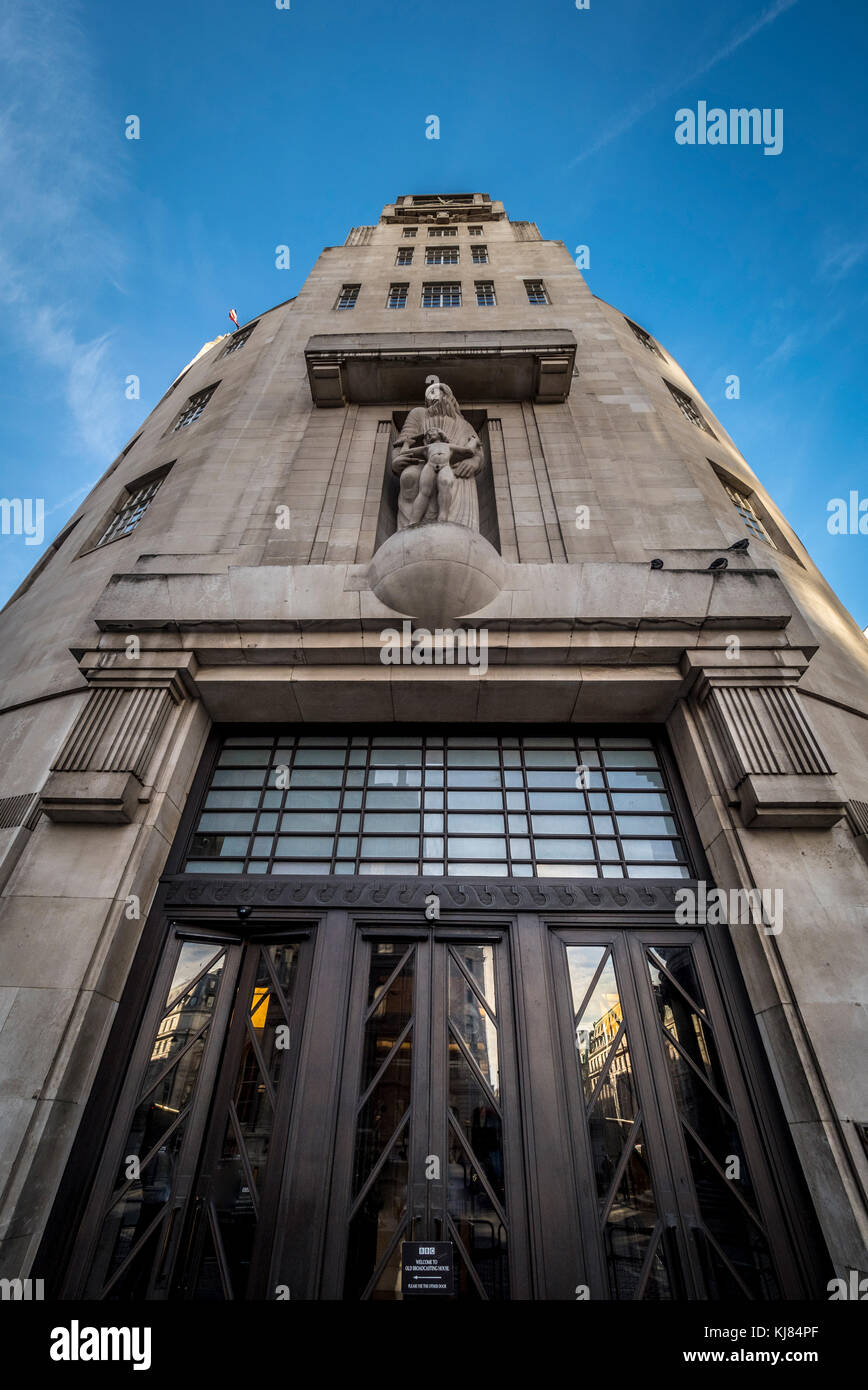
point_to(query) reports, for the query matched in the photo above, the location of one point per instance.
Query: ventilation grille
(857, 815)
(19, 810)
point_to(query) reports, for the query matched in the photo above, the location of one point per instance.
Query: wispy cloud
(842, 259)
(660, 93)
(58, 165)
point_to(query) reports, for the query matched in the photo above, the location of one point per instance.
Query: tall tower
(429, 747)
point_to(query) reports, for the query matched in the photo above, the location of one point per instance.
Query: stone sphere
(437, 572)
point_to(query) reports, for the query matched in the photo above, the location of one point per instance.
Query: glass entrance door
(672, 1182)
(431, 1146)
(184, 1201)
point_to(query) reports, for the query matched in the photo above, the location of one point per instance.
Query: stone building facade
(260, 1022)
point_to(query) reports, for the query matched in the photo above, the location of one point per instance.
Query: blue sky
(262, 126)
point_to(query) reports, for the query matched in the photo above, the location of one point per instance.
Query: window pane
(621, 826)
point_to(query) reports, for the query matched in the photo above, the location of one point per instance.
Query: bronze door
(183, 1204)
(428, 1141)
(672, 1183)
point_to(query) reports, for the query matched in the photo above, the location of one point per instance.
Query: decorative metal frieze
(456, 895)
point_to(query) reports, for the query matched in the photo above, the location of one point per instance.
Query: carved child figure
(438, 455)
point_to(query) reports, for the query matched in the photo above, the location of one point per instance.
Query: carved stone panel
(101, 768)
(773, 757)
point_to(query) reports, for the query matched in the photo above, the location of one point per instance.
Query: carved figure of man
(458, 500)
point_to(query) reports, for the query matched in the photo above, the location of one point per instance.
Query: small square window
(479, 254)
(746, 510)
(397, 297)
(536, 292)
(441, 255)
(194, 407)
(409, 231)
(442, 231)
(475, 231)
(689, 409)
(348, 296)
(485, 294)
(404, 256)
(239, 338)
(644, 338)
(445, 295)
(131, 508)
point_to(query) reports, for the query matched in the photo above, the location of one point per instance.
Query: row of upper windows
(442, 255)
(441, 231)
(441, 294)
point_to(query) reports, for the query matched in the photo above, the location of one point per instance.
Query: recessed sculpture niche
(433, 560)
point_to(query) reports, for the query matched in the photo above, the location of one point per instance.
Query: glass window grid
(441, 255)
(238, 339)
(689, 409)
(348, 296)
(130, 512)
(524, 851)
(479, 254)
(536, 292)
(744, 507)
(475, 231)
(194, 407)
(442, 231)
(397, 296)
(644, 338)
(485, 294)
(408, 231)
(441, 295)
(405, 255)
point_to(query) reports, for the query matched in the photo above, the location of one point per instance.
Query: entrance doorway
(429, 1137)
(401, 986)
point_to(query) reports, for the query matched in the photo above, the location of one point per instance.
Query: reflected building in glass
(361, 902)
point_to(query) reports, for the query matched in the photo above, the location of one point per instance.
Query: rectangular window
(397, 297)
(409, 231)
(560, 806)
(131, 508)
(644, 338)
(239, 338)
(194, 407)
(485, 294)
(479, 254)
(745, 508)
(441, 255)
(441, 295)
(348, 296)
(536, 292)
(404, 256)
(689, 409)
(442, 231)
(475, 231)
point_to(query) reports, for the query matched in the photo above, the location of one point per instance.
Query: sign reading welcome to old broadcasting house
(427, 1268)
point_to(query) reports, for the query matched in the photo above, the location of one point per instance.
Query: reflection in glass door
(182, 1203)
(431, 1115)
(683, 1206)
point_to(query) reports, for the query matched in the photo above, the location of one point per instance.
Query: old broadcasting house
(308, 952)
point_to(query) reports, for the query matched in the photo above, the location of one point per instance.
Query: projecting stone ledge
(381, 368)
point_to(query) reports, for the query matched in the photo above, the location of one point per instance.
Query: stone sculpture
(437, 457)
